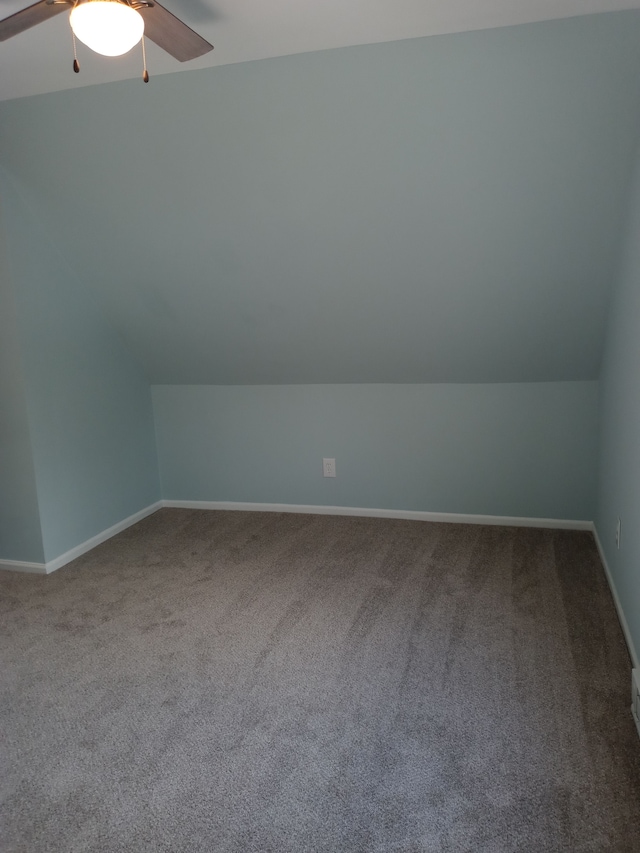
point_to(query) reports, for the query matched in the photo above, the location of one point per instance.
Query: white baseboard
(99, 538)
(616, 600)
(79, 550)
(21, 566)
(366, 512)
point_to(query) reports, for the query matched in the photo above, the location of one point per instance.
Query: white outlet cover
(328, 467)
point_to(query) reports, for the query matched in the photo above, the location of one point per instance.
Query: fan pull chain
(76, 64)
(145, 73)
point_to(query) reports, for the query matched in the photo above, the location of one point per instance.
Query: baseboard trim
(311, 509)
(22, 566)
(98, 539)
(79, 550)
(616, 600)
(367, 512)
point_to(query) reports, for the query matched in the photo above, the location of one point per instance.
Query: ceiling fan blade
(29, 17)
(171, 34)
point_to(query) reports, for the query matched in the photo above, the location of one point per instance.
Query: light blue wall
(88, 402)
(619, 483)
(505, 449)
(443, 209)
(20, 535)
(436, 210)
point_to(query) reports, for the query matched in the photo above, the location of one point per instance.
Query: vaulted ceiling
(427, 210)
(40, 59)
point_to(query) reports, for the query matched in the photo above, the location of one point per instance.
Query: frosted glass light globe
(107, 26)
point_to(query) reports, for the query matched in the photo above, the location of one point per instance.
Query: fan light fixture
(109, 27)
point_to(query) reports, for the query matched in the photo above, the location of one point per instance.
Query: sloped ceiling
(39, 60)
(431, 210)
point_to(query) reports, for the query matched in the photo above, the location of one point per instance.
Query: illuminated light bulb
(109, 27)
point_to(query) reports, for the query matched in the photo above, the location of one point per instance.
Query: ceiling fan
(113, 27)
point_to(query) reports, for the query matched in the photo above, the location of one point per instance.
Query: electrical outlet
(618, 526)
(328, 467)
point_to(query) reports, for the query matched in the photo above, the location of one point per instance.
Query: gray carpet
(216, 682)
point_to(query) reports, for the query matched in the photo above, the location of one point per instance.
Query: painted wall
(502, 449)
(619, 482)
(444, 209)
(436, 210)
(88, 402)
(20, 536)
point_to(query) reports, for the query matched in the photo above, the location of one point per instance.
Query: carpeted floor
(221, 681)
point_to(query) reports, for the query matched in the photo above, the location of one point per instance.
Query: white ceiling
(40, 59)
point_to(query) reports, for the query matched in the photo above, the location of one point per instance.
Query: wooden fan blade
(171, 34)
(29, 17)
